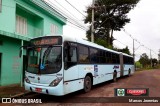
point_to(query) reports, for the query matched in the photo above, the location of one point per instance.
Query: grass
(148, 69)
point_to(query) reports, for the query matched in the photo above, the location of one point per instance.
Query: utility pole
(134, 55)
(159, 57)
(92, 30)
(151, 58)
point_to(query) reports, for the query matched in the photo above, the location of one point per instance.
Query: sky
(144, 26)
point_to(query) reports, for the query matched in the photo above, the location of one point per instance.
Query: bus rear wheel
(87, 84)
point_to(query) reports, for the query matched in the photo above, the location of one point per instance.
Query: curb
(17, 95)
(20, 95)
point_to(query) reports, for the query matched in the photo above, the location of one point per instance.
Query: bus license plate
(38, 89)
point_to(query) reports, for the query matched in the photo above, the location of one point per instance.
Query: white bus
(58, 65)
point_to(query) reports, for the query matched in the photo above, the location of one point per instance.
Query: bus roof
(127, 55)
(85, 42)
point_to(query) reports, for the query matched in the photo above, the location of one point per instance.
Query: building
(21, 20)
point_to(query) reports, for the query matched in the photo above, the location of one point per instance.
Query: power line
(69, 18)
(74, 7)
(127, 33)
(123, 43)
(63, 7)
(70, 13)
(74, 26)
(124, 31)
(77, 25)
(139, 42)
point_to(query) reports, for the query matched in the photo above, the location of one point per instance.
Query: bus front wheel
(87, 84)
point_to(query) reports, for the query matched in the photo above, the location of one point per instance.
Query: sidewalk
(12, 91)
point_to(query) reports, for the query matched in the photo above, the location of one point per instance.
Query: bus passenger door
(70, 62)
(121, 65)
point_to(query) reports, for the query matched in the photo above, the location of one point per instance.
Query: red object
(38, 49)
(136, 91)
(38, 89)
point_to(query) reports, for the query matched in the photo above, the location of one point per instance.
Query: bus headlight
(27, 80)
(55, 82)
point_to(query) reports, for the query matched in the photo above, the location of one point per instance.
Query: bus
(59, 65)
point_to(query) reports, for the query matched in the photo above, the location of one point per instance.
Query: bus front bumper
(57, 90)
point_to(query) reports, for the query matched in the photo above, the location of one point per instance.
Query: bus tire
(87, 84)
(129, 73)
(115, 76)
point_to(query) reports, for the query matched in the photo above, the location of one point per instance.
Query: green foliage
(144, 60)
(110, 15)
(154, 62)
(138, 64)
(124, 50)
(101, 42)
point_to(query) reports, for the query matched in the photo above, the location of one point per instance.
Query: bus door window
(73, 51)
(70, 55)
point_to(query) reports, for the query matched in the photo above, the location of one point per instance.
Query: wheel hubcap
(87, 84)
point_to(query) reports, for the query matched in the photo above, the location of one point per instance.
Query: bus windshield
(44, 60)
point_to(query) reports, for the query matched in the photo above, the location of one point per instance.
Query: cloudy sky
(144, 26)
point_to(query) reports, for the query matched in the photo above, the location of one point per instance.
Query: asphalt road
(141, 79)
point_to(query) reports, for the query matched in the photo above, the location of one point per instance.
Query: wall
(34, 23)
(47, 19)
(11, 63)
(7, 16)
(42, 20)
(11, 67)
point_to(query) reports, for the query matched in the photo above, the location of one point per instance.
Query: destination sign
(49, 40)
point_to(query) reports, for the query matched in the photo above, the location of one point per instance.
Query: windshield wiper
(47, 51)
(42, 60)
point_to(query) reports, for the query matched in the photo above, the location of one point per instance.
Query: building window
(0, 5)
(54, 29)
(21, 25)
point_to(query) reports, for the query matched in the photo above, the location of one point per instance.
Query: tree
(154, 62)
(159, 57)
(138, 64)
(102, 42)
(144, 60)
(124, 50)
(110, 15)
